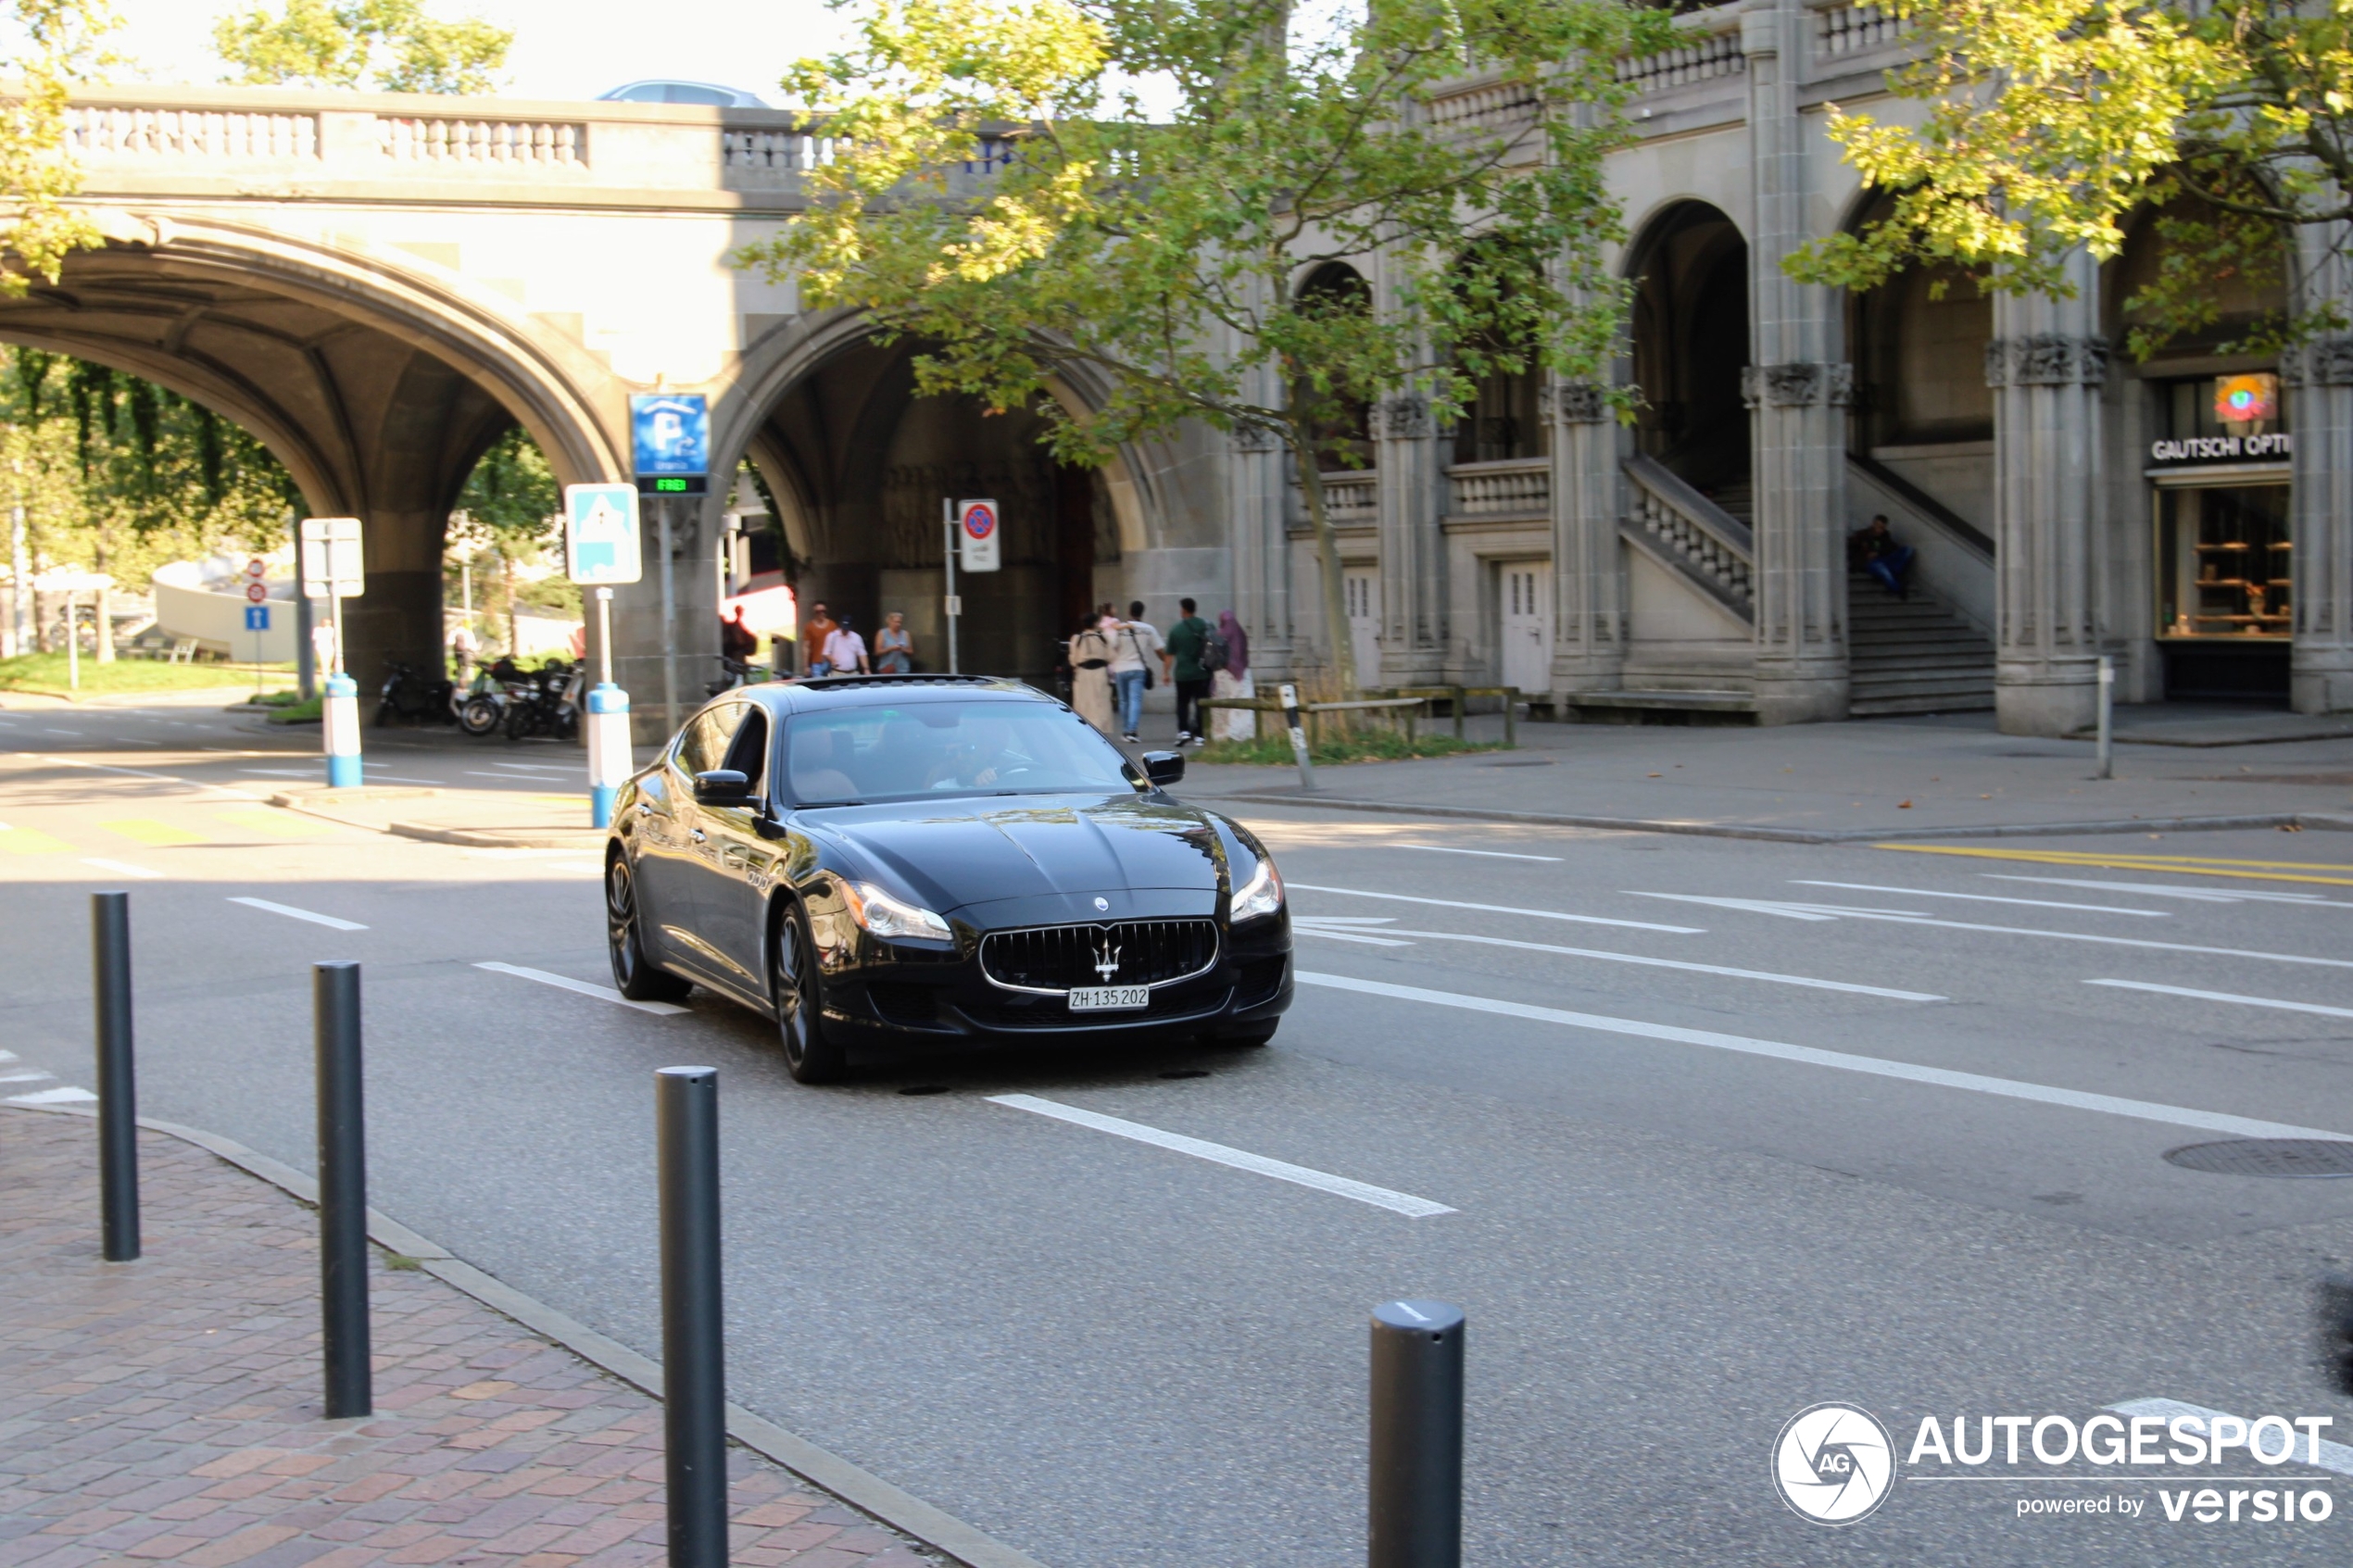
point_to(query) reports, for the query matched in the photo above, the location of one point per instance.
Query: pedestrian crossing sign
(600, 533)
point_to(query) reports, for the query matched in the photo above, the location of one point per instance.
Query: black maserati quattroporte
(890, 858)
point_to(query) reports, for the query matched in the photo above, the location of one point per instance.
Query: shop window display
(2223, 545)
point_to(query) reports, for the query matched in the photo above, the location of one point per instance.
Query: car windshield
(919, 750)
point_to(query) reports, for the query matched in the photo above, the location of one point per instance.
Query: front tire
(810, 1056)
(480, 716)
(635, 975)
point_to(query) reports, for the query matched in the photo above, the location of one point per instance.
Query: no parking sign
(977, 526)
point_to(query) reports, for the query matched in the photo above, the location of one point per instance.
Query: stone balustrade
(1352, 498)
(1714, 51)
(1485, 106)
(1516, 487)
(1707, 542)
(1854, 29)
(441, 139)
(127, 130)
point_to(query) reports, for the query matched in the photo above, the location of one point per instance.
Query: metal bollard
(2107, 719)
(342, 1191)
(1416, 1483)
(694, 1363)
(118, 1094)
(1289, 695)
(339, 729)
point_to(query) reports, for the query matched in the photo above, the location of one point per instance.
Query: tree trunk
(514, 631)
(1310, 482)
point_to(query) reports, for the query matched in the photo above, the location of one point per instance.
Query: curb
(1797, 835)
(586, 840)
(863, 1489)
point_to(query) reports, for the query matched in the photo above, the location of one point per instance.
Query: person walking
(1090, 653)
(1188, 640)
(894, 646)
(845, 649)
(1135, 641)
(1231, 679)
(815, 627)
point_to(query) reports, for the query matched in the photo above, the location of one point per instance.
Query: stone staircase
(1912, 656)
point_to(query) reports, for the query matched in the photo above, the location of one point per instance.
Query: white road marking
(74, 732)
(24, 1077)
(535, 766)
(282, 772)
(2226, 997)
(507, 778)
(8, 1056)
(565, 983)
(2318, 1451)
(291, 914)
(120, 868)
(1218, 1153)
(1666, 963)
(1499, 909)
(1977, 1082)
(2201, 895)
(1840, 911)
(63, 1095)
(143, 773)
(1985, 899)
(1343, 933)
(1490, 854)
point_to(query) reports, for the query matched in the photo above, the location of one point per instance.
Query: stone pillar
(2320, 379)
(1412, 466)
(2046, 365)
(1257, 476)
(1797, 389)
(1588, 582)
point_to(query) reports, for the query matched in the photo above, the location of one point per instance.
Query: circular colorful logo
(980, 521)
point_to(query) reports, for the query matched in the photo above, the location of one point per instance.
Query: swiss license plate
(1109, 999)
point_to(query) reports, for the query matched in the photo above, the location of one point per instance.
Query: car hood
(953, 855)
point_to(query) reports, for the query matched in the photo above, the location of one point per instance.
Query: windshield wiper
(824, 805)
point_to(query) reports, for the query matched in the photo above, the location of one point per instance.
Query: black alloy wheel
(637, 976)
(809, 1057)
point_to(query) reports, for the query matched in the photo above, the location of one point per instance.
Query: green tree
(2051, 121)
(391, 45)
(513, 508)
(59, 49)
(995, 188)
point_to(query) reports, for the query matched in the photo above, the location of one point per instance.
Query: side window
(748, 752)
(704, 741)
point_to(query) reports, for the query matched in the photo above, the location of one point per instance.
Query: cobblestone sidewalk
(168, 1410)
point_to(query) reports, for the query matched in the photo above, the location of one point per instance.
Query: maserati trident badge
(1106, 957)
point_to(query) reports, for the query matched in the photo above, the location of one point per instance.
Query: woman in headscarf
(1091, 675)
(1233, 680)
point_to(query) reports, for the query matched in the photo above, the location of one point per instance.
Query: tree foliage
(37, 229)
(996, 187)
(2051, 121)
(391, 45)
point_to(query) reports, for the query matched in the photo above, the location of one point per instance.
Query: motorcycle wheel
(567, 725)
(480, 716)
(519, 721)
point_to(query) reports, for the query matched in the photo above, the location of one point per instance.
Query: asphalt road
(1722, 1129)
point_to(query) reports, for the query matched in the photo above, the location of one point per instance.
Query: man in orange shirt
(815, 627)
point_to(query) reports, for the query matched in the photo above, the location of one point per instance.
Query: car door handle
(697, 834)
(644, 810)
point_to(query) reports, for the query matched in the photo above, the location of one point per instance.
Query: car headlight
(890, 918)
(1261, 895)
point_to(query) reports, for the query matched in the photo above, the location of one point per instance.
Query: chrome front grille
(1129, 952)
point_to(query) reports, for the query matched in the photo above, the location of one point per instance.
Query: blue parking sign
(256, 618)
(672, 433)
(600, 533)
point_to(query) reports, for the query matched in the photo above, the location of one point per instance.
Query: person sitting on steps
(1875, 550)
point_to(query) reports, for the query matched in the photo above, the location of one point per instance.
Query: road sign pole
(2107, 718)
(118, 1101)
(1416, 1481)
(609, 753)
(669, 618)
(950, 604)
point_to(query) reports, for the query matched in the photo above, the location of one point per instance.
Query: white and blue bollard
(340, 716)
(609, 755)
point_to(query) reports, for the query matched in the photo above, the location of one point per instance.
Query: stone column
(1257, 474)
(2046, 365)
(1411, 463)
(1588, 584)
(2320, 379)
(1797, 391)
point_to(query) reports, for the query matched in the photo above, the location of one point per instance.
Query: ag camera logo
(1834, 1464)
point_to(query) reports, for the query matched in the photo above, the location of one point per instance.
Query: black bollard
(342, 1191)
(118, 1092)
(1416, 1483)
(694, 1361)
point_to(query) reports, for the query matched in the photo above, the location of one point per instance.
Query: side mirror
(722, 787)
(1163, 768)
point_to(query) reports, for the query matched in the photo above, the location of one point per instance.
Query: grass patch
(298, 713)
(46, 672)
(285, 697)
(1368, 745)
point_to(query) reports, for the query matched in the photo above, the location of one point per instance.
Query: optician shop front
(2218, 478)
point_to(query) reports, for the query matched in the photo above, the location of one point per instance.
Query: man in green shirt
(1182, 651)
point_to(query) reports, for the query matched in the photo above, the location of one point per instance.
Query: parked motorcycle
(547, 701)
(408, 694)
(481, 706)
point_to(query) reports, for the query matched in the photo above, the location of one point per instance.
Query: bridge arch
(376, 385)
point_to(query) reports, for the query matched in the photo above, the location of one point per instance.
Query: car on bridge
(892, 859)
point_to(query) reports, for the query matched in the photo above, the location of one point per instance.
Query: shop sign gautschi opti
(2276, 448)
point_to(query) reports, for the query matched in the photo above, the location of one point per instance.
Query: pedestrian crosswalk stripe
(147, 830)
(120, 868)
(286, 824)
(63, 1095)
(30, 841)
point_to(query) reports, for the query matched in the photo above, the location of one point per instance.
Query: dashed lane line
(1845, 1061)
(1219, 1154)
(1308, 926)
(1485, 854)
(120, 868)
(1500, 910)
(1900, 917)
(2200, 894)
(291, 914)
(1984, 899)
(565, 983)
(2224, 997)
